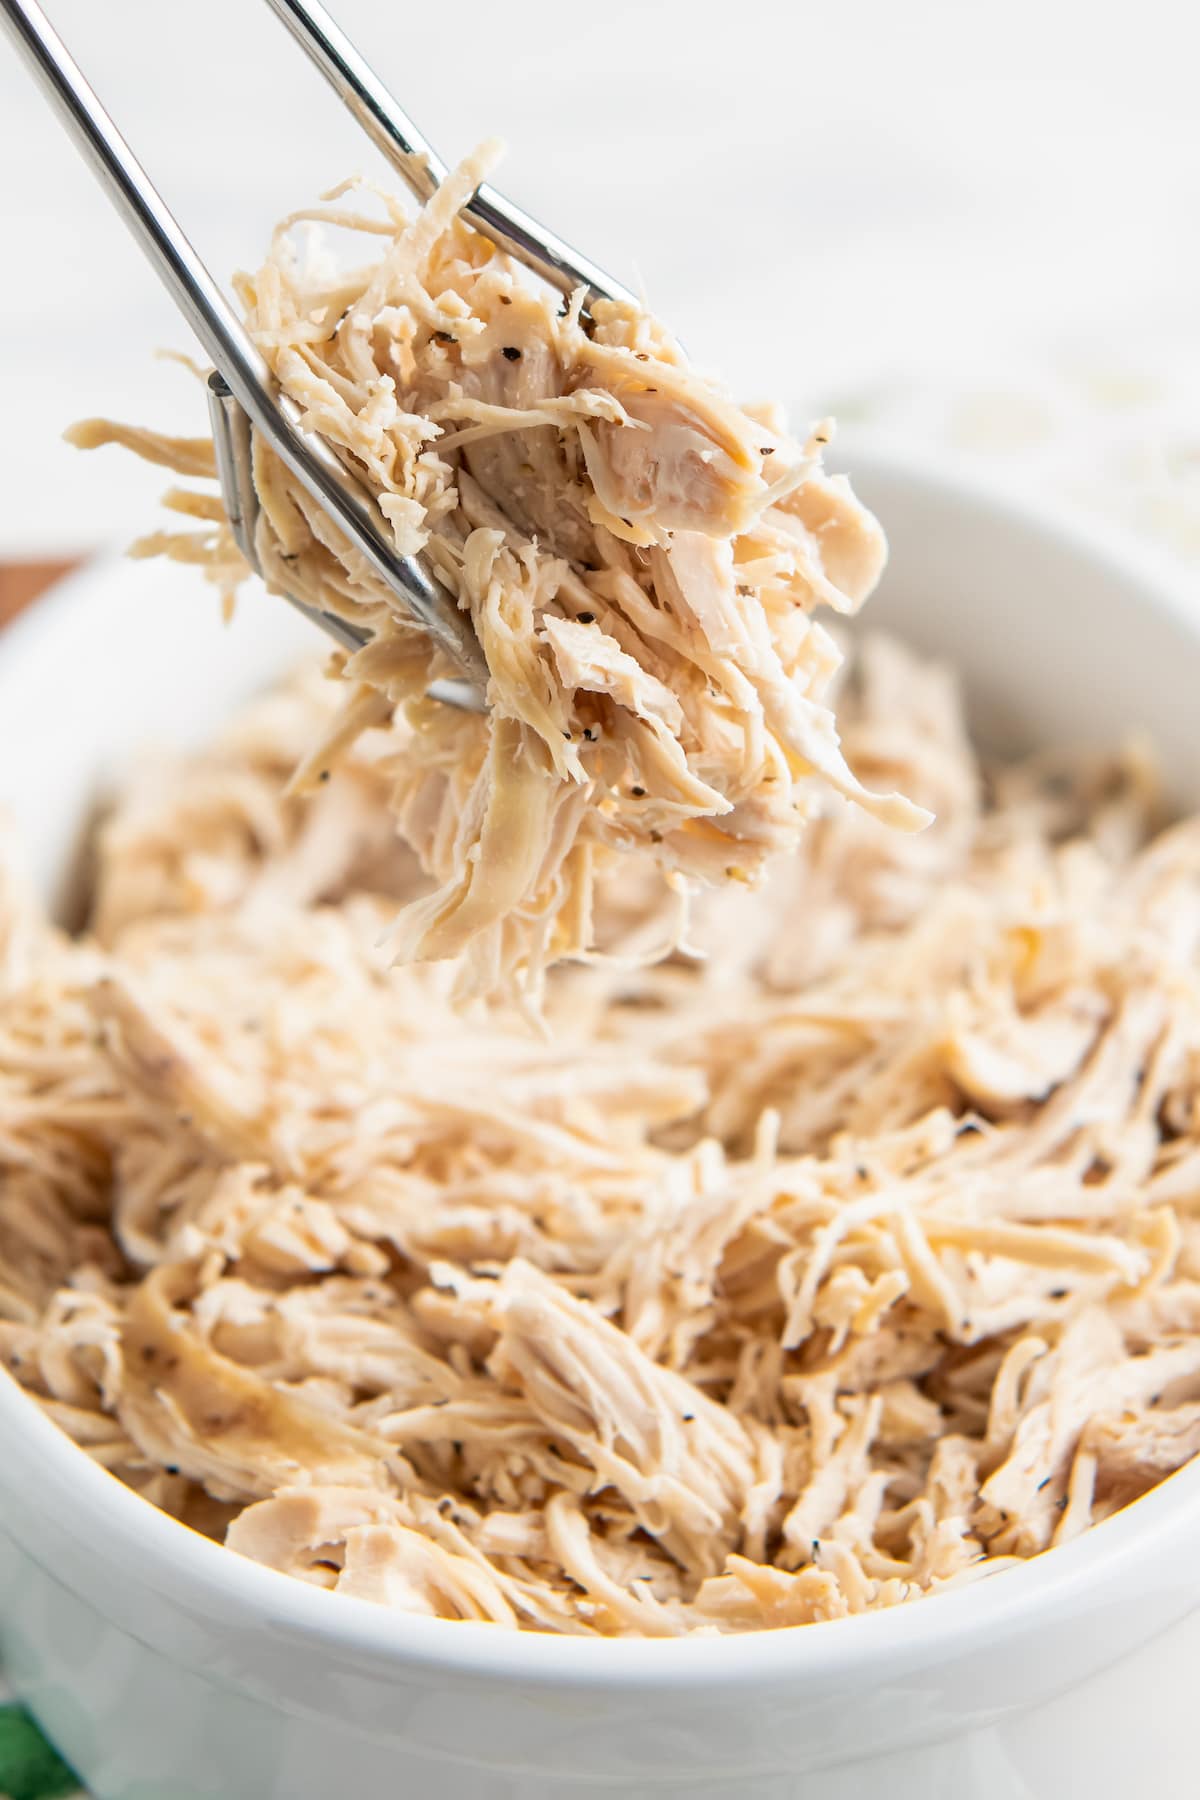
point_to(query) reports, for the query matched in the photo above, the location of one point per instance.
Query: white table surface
(866, 198)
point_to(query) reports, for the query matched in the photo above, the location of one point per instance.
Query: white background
(825, 200)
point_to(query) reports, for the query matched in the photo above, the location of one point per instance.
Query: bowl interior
(1061, 632)
(1057, 636)
(121, 659)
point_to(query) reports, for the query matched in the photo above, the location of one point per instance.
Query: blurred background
(954, 218)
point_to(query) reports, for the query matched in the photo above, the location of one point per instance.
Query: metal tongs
(242, 390)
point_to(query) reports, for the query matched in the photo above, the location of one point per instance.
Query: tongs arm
(225, 339)
(398, 139)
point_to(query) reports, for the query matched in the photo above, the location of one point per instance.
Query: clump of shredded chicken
(852, 1260)
(640, 560)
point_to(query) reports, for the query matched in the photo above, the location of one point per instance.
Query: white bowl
(164, 1666)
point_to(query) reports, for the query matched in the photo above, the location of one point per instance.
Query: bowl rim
(142, 1547)
(126, 1535)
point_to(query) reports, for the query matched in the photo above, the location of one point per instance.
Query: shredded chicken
(640, 560)
(853, 1259)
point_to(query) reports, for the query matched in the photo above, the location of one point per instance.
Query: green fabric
(29, 1768)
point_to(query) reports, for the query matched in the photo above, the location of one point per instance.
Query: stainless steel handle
(221, 333)
(394, 134)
